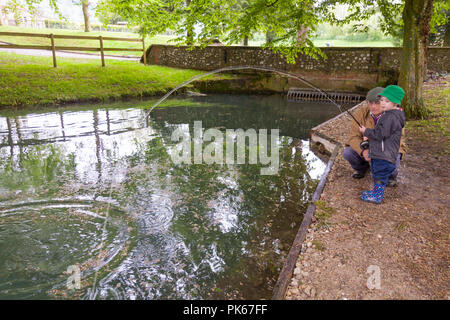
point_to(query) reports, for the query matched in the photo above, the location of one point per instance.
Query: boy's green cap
(393, 93)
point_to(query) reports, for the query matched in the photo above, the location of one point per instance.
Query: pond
(92, 205)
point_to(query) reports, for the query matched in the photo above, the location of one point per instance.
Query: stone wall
(350, 69)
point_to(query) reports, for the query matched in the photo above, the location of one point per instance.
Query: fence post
(52, 39)
(143, 51)
(101, 50)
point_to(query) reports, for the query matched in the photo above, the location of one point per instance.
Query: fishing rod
(331, 99)
(254, 68)
(359, 125)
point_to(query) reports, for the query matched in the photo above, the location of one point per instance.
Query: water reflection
(193, 231)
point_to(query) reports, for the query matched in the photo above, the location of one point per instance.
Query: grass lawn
(435, 129)
(160, 39)
(346, 43)
(32, 81)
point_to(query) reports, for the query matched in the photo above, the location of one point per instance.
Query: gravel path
(64, 54)
(399, 249)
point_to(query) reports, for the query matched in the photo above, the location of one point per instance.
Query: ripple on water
(39, 240)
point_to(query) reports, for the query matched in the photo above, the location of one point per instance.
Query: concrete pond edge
(333, 147)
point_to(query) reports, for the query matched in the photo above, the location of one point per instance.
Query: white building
(25, 19)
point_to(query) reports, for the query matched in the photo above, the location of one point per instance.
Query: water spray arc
(288, 74)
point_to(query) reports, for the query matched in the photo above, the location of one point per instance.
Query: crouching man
(368, 116)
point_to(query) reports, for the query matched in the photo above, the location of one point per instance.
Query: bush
(112, 28)
(58, 24)
(363, 31)
(326, 31)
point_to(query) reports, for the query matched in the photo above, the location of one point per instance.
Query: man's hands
(365, 154)
(362, 129)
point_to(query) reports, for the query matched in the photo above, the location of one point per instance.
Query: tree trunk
(270, 36)
(302, 35)
(87, 24)
(190, 30)
(416, 18)
(246, 41)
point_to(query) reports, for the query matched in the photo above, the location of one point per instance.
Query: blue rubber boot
(366, 193)
(375, 195)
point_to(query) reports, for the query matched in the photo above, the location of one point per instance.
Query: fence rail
(54, 48)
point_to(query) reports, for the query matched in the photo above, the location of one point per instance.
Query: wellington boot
(375, 195)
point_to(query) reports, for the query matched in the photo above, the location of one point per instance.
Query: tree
(289, 23)
(229, 21)
(109, 18)
(85, 7)
(416, 17)
(1, 16)
(447, 35)
(440, 29)
(17, 7)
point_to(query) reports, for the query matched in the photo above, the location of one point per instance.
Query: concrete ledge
(332, 147)
(317, 137)
(285, 276)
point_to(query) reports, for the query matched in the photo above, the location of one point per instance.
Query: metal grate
(309, 95)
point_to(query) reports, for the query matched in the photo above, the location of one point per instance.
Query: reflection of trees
(108, 124)
(98, 145)
(62, 125)
(197, 199)
(19, 136)
(293, 119)
(10, 139)
(39, 167)
(268, 211)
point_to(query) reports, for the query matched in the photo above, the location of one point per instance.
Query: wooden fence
(54, 48)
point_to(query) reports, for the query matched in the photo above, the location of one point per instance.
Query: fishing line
(285, 73)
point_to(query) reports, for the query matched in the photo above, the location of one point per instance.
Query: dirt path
(405, 240)
(63, 54)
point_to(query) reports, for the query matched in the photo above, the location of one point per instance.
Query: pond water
(94, 190)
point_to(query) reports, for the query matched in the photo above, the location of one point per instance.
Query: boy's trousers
(381, 170)
(359, 164)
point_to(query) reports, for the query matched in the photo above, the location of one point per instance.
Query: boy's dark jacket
(384, 140)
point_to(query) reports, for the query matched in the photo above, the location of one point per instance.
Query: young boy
(384, 142)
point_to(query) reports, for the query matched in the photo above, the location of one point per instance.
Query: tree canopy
(290, 24)
(200, 21)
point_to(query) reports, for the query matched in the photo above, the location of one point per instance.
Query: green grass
(160, 39)
(436, 101)
(436, 126)
(323, 214)
(32, 81)
(319, 245)
(347, 43)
